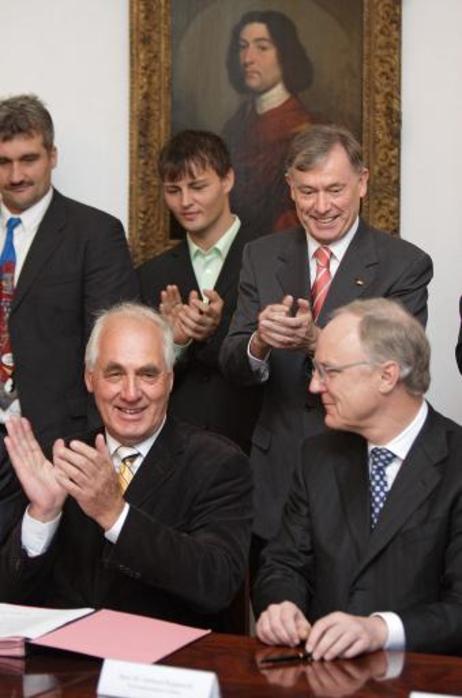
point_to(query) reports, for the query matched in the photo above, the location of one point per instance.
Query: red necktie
(7, 269)
(322, 281)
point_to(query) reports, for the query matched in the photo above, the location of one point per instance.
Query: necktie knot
(381, 456)
(322, 256)
(8, 253)
(127, 457)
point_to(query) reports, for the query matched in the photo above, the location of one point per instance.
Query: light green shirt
(208, 264)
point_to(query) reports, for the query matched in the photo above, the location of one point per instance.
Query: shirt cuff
(396, 639)
(179, 349)
(259, 366)
(113, 533)
(36, 535)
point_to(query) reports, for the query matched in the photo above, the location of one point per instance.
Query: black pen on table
(300, 655)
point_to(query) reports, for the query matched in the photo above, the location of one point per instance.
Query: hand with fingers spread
(35, 473)
(170, 308)
(282, 624)
(280, 328)
(88, 475)
(343, 635)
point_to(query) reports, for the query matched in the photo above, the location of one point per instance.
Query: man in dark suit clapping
(195, 283)
(150, 516)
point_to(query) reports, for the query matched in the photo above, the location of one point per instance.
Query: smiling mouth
(130, 411)
(325, 221)
(19, 187)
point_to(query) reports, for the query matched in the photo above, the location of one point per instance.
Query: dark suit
(77, 264)
(459, 340)
(182, 551)
(325, 559)
(375, 265)
(201, 394)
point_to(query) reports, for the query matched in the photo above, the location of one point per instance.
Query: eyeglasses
(326, 372)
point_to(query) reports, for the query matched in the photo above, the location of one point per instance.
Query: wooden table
(235, 660)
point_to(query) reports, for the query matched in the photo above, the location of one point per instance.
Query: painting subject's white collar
(276, 96)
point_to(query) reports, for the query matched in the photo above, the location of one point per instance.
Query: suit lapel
(351, 473)
(49, 235)
(182, 270)
(292, 268)
(156, 468)
(228, 275)
(354, 275)
(418, 476)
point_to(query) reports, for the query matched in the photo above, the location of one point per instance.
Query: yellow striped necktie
(125, 474)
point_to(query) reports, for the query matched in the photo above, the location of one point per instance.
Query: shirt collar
(221, 247)
(32, 216)
(271, 99)
(401, 445)
(143, 447)
(338, 247)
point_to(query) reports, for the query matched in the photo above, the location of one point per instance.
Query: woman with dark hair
(267, 61)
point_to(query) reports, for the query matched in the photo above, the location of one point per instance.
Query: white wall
(74, 54)
(431, 177)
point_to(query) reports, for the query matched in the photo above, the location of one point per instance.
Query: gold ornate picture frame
(150, 116)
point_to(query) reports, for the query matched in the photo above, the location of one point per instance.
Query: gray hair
(314, 143)
(388, 332)
(25, 115)
(135, 311)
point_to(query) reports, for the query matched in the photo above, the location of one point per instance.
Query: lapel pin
(359, 282)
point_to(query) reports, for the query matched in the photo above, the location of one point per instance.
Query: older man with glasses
(369, 554)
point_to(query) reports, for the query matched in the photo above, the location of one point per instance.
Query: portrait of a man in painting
(256, 72)
(267, 63)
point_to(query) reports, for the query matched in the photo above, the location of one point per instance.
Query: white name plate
(132, 680)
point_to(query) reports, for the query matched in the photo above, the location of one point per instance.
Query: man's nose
(16, 173)
(316, 384)
(247, 55)
(322, 202)
(185, 197)
(130, 389)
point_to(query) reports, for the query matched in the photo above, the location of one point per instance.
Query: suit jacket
(326, 559)
(459, 340)
(77, 264)
(182, 551)
(201, 394)
(375, 265)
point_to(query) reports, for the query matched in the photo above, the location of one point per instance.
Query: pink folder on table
(116, 635)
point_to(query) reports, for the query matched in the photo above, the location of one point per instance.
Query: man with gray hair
(290, 284)
(150, 515)
(369, 554)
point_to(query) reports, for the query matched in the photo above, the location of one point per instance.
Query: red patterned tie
(322, 281)
(7, 269)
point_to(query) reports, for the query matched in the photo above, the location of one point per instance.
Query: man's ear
(89, 380)
(228, 180)
(290, 185)
(389, 376)
(363, 180)
(54, 156)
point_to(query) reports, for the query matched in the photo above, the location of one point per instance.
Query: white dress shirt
(24, 234)
(400, 446)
